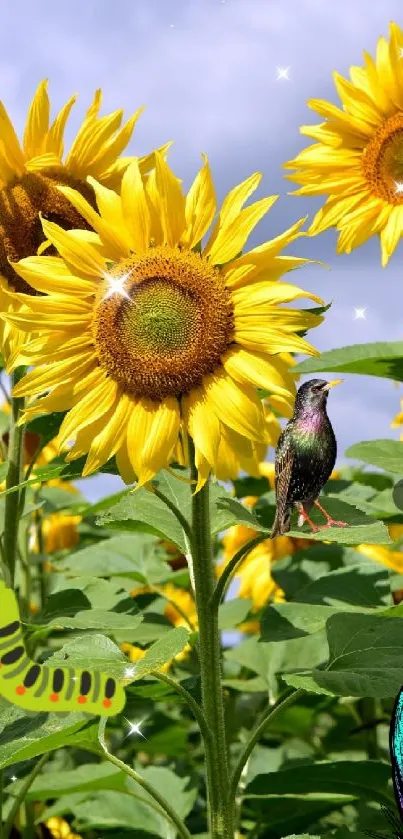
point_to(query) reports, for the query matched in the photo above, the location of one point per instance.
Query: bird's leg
(329, 521)
(305, 516)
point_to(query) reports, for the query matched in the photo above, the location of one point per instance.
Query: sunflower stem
(14, 477)
(221, 818)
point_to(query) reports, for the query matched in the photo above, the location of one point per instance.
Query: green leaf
(109, 810)
(126, 555)
(87, 777)
(143, 511)
(233, 612)
(363, 585)
(24, 735)
(379, 359)
(362, 779)
(100, 619)
(3, 471)
(386, 454)
(95, 651)
(365, 656)
(361, 528)
(47, 426)
(164, 650)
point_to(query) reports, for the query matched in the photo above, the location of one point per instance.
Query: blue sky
(207, 72)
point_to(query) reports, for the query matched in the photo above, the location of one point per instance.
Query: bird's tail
(281, 522)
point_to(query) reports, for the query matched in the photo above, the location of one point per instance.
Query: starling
(305, 457)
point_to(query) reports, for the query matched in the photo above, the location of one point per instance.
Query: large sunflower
(146, 337)
(30, 173)
(358, 157)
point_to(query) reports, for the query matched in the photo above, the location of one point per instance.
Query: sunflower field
(209, 652)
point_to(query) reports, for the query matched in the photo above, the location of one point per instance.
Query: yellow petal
(47, 160)
(11, 148)
(235, 405)
(231, 239)
(171, 201)
(268, 293)
(202, 423)
(278, 341)
(253, 368)
(46, 378)
(153, 434)
(110, 237)
(89, 408)
(50, 274)
(81, 159)
(156, 232)
(82, 256)
(135, 208)
(32, 322)
(259, 259)
(110, 438)
(54, 140)
(110, 150)
(200, 207)
(391, 233)
(232, 205)
(123, 462)
(37, 125)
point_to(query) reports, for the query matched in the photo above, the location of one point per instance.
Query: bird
(305, 456)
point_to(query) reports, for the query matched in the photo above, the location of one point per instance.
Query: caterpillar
(39, 687)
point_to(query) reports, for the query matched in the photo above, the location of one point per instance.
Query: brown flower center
(163, 320)
(383, 161)
(21, 230)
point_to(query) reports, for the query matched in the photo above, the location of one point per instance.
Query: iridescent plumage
(305, 457)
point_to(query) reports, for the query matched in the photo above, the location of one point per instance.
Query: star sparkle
(360, 313)
(13, 778)
(116, 286)
(134, 728)
(283, 73)
(129, 672)
(398, 187)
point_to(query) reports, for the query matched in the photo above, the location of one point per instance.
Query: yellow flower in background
(184, 614)
(143, 338)
(30, 173)
(398, 420)
(60, 829)
(357, 159)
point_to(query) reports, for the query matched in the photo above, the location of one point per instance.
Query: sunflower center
(20, 226)
(383, 161)
(162, 322)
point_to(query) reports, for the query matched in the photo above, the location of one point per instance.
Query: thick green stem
(14, 477)
(283, 702)
(221, 816)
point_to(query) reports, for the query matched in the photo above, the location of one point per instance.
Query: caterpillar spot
(107, 703)
(53, 697)
(20, 690)
(82, 699)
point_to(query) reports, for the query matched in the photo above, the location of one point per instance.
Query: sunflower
(30, 173)
(357, 159)
(146, 337)
(60, 829)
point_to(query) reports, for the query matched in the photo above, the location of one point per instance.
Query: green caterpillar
(38, 687)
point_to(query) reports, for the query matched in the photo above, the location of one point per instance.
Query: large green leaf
(380, 359)
(24, 735)
(368, 779)
(94, 651)
(365, 658)
(145, 511)
(127, 555)
(386, 454)
(100, 619)
(365, 584)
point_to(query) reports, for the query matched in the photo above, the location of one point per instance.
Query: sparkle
(13, 778)
(360, 314)
(116, 286)
(283, 73)
(129, 672)
(172, 25)
(134, 728)
(400, 52)
(398, 187)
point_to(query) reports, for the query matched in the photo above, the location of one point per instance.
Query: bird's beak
(332, 384)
